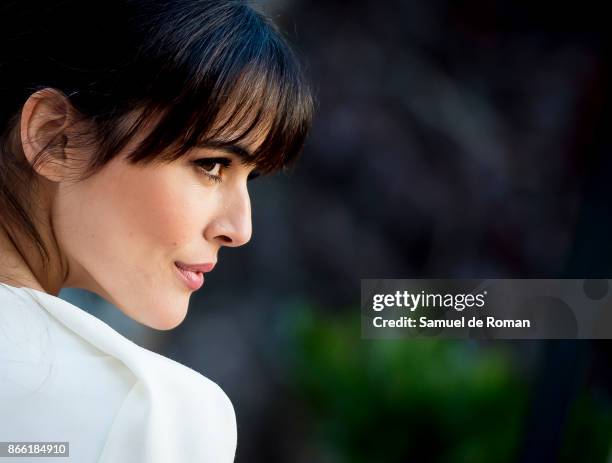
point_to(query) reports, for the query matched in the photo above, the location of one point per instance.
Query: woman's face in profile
(124, 229)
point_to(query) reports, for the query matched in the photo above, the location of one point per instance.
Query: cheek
(155, 211)
(152, 210)
(122, 229)
(126, 225)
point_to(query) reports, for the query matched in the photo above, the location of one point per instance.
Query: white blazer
(66, 376)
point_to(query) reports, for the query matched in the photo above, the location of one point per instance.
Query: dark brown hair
(201, 69)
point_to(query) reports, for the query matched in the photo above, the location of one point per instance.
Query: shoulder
(162, 407)
(174, 413)
(202, 398)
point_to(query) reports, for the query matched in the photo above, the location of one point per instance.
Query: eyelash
(211, 162)
(202, 163)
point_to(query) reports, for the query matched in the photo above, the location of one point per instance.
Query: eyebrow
(231, 149)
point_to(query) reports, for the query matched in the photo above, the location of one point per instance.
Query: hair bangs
(250, 93)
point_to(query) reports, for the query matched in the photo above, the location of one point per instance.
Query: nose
(232, 225)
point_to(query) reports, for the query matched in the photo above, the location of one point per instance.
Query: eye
(213, 167)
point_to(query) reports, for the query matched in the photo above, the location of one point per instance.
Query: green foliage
(403, 400)
(589, 430)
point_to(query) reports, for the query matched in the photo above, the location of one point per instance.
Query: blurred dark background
(452, 139)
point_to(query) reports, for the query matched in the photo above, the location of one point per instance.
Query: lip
(193, 274)
(202, 268)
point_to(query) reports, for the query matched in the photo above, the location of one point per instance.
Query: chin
(160, 317)
(167, 322)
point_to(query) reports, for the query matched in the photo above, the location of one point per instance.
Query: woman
(129, 132)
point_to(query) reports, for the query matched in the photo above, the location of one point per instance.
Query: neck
(21, 265)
